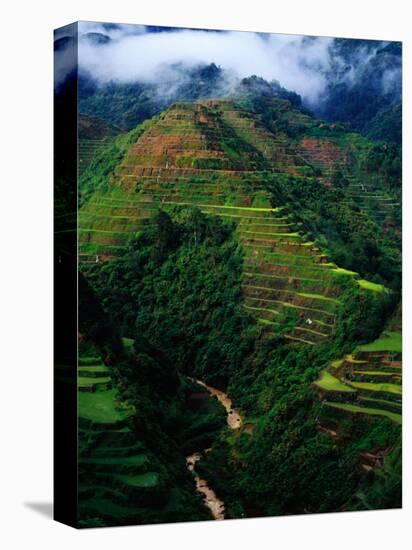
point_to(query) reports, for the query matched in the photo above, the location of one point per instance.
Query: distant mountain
(364, 80)
(96, 38)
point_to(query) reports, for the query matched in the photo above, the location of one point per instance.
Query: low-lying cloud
(302, 64)
(298, 63)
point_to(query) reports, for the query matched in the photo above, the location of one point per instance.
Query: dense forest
(178, 286)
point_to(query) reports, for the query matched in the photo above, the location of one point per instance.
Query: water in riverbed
(215, 505)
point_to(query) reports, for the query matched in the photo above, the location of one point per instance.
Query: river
(234, 421)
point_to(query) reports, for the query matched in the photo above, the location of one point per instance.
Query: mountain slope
(219, 157)
(243, 240)
(132, 468)
(94, 135)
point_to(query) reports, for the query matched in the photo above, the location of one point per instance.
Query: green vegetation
(343, 271)
(171, 296)
(388, 388)
(386, 125)
(127, 474)
(187, 264)
(100, 407)
(366, 410)
(389, 341)
(328, 382)
(371, 286)
(237, 246)
(266, 234)
(97, 173)
(355, 242)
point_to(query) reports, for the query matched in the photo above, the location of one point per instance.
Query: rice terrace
(238, 239)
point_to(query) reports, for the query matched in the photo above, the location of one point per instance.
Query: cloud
(299, 63)
(303, 64)
(65, 59)
(392, 81)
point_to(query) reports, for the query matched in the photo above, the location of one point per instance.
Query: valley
(234, 422)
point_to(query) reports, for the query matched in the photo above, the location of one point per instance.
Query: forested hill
(253, 246)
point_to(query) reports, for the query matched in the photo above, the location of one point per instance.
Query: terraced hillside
(325, 156)
(94, 135)
(121, 481)
(88, 150)
(215, 156)
(339, 157)
(378, 204)
(185, 284)
(116, 474)
(368, 381)
(346, 153)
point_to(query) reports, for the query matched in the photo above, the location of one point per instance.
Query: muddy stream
(234, 421)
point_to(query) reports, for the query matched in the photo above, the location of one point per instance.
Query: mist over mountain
(365, 80)
(130, 72)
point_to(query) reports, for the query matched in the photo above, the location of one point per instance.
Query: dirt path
(234, 421)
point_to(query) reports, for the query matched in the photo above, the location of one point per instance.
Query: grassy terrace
(368, 285)
(270, 277)
(93, 370)
(377, 402)
(372, 200)
(88, 149)
(329, 382)
(148, 479)
(94, 382)
(376, 373)
(366, 410)
(378, 387)
(389, 341)
(107, 222)
(135, 460)
(370, 377)
(100, 407)
(113, 465)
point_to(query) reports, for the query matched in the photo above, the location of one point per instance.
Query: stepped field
(118, 480)
(94, 136)
(214, 155)
(88, 150)
(378, 204)
(328, 150)
(368, 381)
